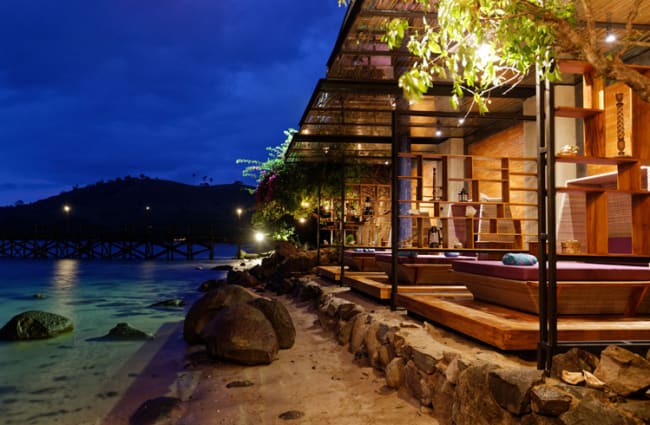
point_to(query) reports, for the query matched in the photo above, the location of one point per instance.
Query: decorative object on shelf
(435, 237)
(620, 125)
(435, 191)
(568, 150)
(457, 244)
(470, 211)
(570, 246)
(463, 196)
(367, 207)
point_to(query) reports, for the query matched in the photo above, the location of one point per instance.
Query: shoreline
(317, 379)
(157, 368)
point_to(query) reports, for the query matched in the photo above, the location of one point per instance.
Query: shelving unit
(609, 114)
(500, 209)
(367, 230)
(615, 156)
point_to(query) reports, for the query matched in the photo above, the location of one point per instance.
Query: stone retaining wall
(472, 385)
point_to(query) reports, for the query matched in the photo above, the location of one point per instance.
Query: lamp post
(239, 212)
(66, 210)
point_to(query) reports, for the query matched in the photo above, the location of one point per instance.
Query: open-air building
(558, 171)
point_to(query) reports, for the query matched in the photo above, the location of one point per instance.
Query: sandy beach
(315, 382)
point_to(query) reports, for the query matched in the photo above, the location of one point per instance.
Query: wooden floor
(510, 329)
(379, 287)
(454, 307)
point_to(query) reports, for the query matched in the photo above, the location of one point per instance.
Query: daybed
(421, 269)
(582, 288)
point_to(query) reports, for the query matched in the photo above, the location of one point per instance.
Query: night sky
(92, 90)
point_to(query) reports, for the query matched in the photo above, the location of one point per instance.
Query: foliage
(288, 191)
(503, 42)
(284, 191)
(481, 45)
(260, 170)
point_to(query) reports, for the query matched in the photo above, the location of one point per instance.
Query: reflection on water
(65, 273)
(71, 375)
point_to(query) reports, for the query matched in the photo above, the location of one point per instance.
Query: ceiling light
(610, 37)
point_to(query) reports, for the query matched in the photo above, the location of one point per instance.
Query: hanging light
(610, 37)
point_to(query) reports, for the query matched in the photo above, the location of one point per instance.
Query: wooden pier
(111, 245)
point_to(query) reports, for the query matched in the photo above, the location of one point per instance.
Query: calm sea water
(68, 380)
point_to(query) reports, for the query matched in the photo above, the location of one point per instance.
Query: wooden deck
(510, 329)
(330, 272)
(334, 272)
(379, 287)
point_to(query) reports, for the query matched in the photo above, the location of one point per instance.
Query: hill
(136, 206)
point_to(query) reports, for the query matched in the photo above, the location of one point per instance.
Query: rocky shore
(355, 361)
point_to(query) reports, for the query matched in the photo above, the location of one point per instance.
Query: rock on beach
(35, 324)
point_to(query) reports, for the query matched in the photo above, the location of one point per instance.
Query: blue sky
(94, 90)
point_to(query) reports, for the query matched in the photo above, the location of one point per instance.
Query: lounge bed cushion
(566, 271)
(421, 259)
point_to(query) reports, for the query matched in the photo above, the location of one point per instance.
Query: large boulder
(206, 307)
(623, 371)
(241, 333)
(35, 325)
(278, 315)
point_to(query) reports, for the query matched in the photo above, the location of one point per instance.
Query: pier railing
(127, 243)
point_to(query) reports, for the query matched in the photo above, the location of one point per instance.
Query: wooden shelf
(575, 67)
(573, 112)
(602, 113)
(582, 159)
(480, 176)
(522, 173)
(523, 189)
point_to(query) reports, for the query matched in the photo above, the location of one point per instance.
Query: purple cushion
(566, 270)
(421, 259)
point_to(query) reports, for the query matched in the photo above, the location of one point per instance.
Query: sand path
(317, 377)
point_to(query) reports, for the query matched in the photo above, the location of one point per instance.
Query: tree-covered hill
(141, 206)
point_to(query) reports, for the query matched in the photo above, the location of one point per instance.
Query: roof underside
(351, 112)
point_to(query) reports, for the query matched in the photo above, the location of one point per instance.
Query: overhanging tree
(481, 45)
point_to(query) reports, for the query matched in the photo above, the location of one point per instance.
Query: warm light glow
(302, 220)
(485, 54)
(239, 211)
(610, 38)
(461, 121)
(438, 133)
(67, 209)
(259, 236)
(305, 204)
